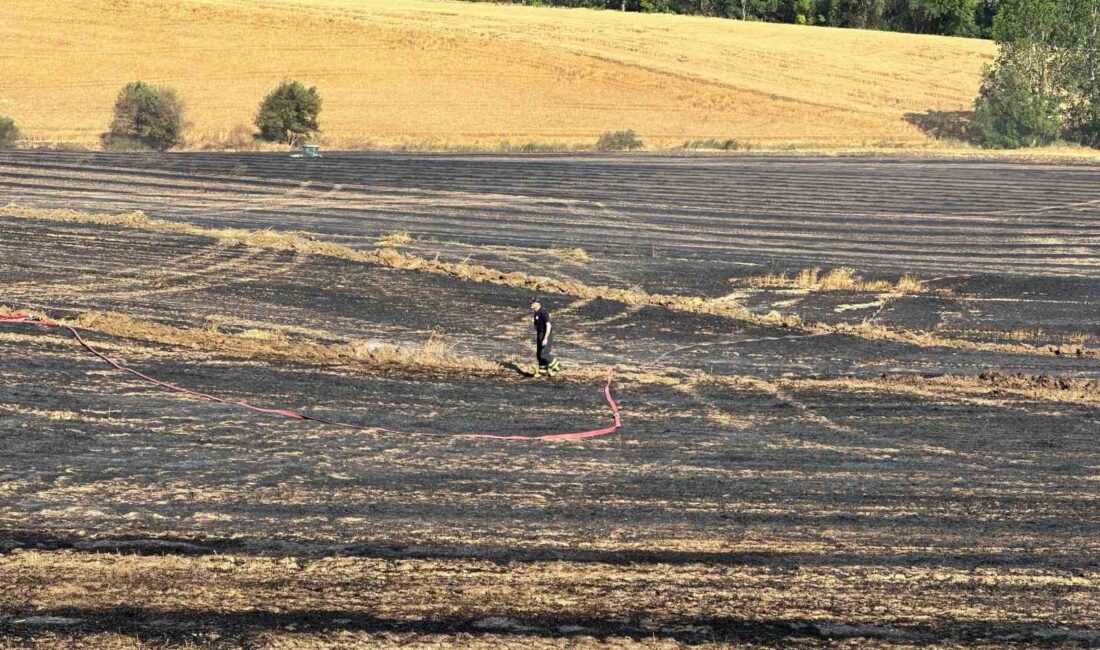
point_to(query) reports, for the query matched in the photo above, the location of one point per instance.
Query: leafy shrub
(289, 113)
(146, 117)
(619, 141)
(1009, 114)
(530, 147)
(8, 133)
(1083, 116)
(729, 144)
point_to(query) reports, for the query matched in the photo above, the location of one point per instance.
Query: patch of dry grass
(481, 75)
(632, 296)
(838, 279)
(394, 239)
(389, 257)
(433, 355)
(438, 355)
(436, 352)
(578, 255)
(237, 138)
(909, 284)
(987, 389)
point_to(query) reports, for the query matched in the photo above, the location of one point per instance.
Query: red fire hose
(24, 319)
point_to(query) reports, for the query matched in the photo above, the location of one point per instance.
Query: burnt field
(895, 455)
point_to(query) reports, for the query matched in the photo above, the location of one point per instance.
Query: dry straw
(633, 296)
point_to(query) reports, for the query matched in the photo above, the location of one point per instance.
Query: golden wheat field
(438, 74)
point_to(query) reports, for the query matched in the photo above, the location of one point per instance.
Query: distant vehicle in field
(309, 151)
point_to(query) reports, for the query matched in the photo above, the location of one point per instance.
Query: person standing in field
(544, 339)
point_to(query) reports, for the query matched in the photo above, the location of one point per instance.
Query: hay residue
(305, 244)
(433, 355)
(838, 279)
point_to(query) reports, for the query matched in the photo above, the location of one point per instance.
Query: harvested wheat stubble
(421, 74)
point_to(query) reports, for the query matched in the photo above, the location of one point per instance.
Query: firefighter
(544, 339)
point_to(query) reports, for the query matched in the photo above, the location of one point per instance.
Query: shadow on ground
(183, 625)
(946, 125)
(203, 546)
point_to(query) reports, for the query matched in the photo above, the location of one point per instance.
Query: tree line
(948, 17)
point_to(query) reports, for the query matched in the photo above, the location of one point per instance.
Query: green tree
(955, 17)
(951, 17)
(983, 17)
(863, 14)
(289, 114)
(619, 141)
(1082, 73)
(801, 12)
(1048, 70)
(1031, 35)
(1009, 114)
(9, 134)
(145, 117)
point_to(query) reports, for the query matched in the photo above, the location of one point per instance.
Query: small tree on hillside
(1009, 114)
(146, 117)
(619, 141)
(289, 113)
(8, 133)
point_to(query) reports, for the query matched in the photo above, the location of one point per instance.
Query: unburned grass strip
(304, 243)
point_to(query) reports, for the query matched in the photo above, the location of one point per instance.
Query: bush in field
(8, 133)
(729, 144)
(619, 141)
(1009, 114)
(1044, 84)
(289, 113)
(146, 117)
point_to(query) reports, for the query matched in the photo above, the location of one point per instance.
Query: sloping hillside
(449, 73)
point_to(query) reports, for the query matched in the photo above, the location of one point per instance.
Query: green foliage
(1082, 85)
(1083, 123)
(983, 17)
(801, 12)
(952, 17)
(145, 117)
(530, 147)
(1048, 73)
(1032, 35)
(864, 14)
(728, 144)
(1009, 114)
(9, 134)
(289, 114)
(619, 141)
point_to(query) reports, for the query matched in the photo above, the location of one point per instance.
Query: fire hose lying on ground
(25, 319)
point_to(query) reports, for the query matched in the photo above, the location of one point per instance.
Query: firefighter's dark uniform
(548, 365)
